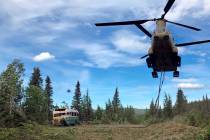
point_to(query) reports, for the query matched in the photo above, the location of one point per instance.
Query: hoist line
(162, 79)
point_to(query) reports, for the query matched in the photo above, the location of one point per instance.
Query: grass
(161, 131)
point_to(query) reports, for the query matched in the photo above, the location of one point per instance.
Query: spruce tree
(98, 113)
(207, 104)
(49, 93)
(86, 108)
(109, 110)
(36, 79)
(129, 114)
(168, 109)
(83, 108)
(181, 103)
(89, 107)
(36, 104)
(116, 101)
(76, 102)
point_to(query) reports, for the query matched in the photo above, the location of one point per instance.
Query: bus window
(57, 115)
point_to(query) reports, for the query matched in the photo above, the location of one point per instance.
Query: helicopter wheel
(176, 74)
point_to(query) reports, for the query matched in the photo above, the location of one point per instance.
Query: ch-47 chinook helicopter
(163, 53)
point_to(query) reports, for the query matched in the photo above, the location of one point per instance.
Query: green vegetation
(11, 92)
(26, 113)
(34, 103)
(166, 130)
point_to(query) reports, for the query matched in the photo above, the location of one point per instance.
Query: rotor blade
(144, 30)
(192, 43)
(123, 23)
(144, 56)
(186, 26)
(168, 7)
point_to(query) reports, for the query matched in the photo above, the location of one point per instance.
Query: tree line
(196, 113)
(34, 102)
(113, 111)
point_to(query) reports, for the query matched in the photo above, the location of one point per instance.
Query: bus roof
(65, 110)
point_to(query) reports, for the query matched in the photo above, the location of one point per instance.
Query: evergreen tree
(55, 107)
(36, 79)
(98, 113)
(207, 103)
(49, 93)
(152, 110)
(36, 104)
(116, 101)
(83, 109)
(86, 108)
(168, 110)
(11, 93)
(129, 114)
(64, 105)
(89, 107)
(181, 103)
(76, 102)
(109, 110)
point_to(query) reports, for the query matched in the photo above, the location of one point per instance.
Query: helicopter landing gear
(154, 74)
(176, 74)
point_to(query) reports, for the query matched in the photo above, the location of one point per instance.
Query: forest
(20, 105)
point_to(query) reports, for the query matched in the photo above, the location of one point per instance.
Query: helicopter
(163, 54)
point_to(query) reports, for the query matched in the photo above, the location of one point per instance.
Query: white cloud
(127, 41)
(183, 8)
(84, 76)
(60, 26)
(104, 57)
(195, 70)
(187, 80)
(190, 86)
(19, 11)
(80, 62)
(182, 51)
(57, 16)
(188, 83)
(101, 55)
(43, 56)
(45, 39)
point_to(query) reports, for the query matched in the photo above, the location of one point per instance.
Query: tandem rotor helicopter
(163, 54)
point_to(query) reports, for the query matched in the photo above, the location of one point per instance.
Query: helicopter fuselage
(163, 55)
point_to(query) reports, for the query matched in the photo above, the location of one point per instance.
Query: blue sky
(59, 36)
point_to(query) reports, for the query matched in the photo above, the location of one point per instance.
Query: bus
(65, 117)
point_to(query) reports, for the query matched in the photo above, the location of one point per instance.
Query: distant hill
(139, 111)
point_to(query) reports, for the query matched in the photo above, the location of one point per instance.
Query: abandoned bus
(65, 117)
